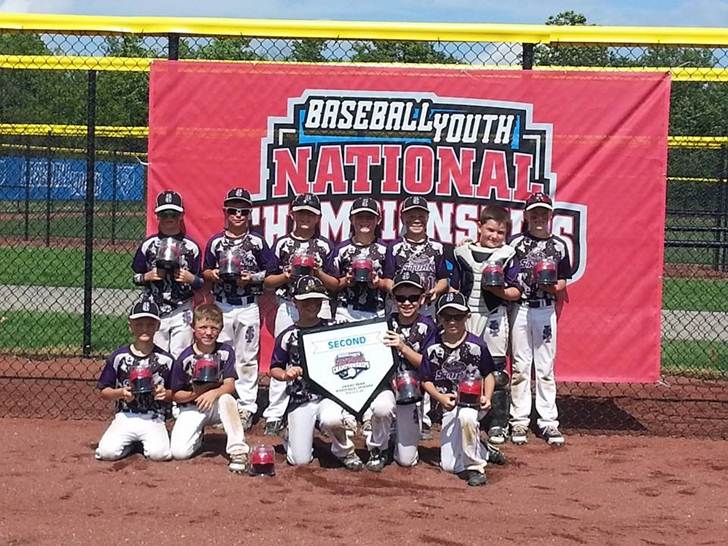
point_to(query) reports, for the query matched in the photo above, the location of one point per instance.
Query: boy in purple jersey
(237, 292)
(458, 355)
(533, 322)
(139, 417)
(303, 240)
(211, 402)
(360, 299)
(171, 290)
(410, 334)
(305, 406)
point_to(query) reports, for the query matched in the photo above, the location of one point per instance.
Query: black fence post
(26, 207)
(49, 177)
(723, 211)
(527, 56)
(114, 172)
(173, 47)
(89, 209)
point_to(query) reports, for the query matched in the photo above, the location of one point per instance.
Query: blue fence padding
(68, 179)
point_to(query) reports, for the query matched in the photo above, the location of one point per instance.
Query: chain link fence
(74, 107)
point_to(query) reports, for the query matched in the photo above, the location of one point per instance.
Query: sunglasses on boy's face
(454, 317)
(168, 215)
(411, 298)
(238, 212)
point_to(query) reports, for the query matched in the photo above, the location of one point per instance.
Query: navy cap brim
(406, 282)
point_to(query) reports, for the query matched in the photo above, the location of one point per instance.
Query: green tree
(569, 55)
(227, 49)
(308, 51)
(391, 51)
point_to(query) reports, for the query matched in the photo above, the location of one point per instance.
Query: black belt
(535, 304)
(141, 411)
(243, 300)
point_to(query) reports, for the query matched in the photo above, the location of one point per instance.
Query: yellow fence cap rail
(362, 30)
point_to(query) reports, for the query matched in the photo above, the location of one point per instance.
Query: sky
(697, 13)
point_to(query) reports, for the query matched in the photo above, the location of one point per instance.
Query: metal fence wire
(74, 108)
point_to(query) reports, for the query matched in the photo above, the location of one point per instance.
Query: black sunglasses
(166, 215)
(241, 212)
(412, 298)
(447, 317)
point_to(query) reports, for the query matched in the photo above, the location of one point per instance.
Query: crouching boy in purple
(207, 403)
(140, 417)
(458, 355)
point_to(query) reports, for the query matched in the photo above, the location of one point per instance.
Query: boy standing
(533, 336)
(458, 355)
(139, 415)
(208, 403)
(305, 406)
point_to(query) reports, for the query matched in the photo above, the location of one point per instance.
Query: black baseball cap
(407, 278)
(452, 300)
(414, 202)
(539, 199)
(144, 308)
(169, 200)
(238, 195)
(306, 201)
(309, 287)
(365, 204)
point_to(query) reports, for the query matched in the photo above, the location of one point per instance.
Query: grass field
(694, 357)
(695, 294)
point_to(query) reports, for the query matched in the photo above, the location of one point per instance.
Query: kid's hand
(348, 279)
(430, 296)
(294, 372)
(215, 273)
(448, 400)
(484, 403)
(393, 339)
(550, 288)
(184, 277)
(465, 241)
(153, 275)
(125, 394)
(206, 400)
(160, 393)
(244, 279)
(375, 281)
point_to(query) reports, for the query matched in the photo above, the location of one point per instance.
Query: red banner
(596, 142)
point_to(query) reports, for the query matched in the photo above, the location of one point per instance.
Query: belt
(535, 304)
(140, 411)
(236, 300)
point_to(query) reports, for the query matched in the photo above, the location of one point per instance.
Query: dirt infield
(597, 489)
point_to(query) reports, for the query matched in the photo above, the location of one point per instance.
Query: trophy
(206, 369)
(302, 264)
(407, 387)
(493, 274)
(169, 256)
(231, 265)
(262, 461)
(141, 378)
(470, 390)
(362, 271)
(545, 272)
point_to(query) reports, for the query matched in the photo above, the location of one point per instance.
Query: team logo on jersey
(457, 152)
(349, 365)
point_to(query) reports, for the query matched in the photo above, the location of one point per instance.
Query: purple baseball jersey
(445, 366)
(361, 298)
(183, 368)
(426, 258)
(529, 251)
(115, 375)
(288, 246)
(419, 335)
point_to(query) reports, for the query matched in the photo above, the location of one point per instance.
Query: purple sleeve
(334, 264)
(228, 367)
(425, 369)
(280, 354)
(178, 380)
(455, 276)
(195, 261)
(486, 364)
(430, 339)
(327, 262)
(210, 261)
(108, 375)
(267, 261)
(441, 271)
(511, 274)
(139, 263)
(564, 266)
(388, 269)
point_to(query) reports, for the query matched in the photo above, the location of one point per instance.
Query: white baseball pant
(286, 315)
(175, 330)
(460, 446)
(241, 328)
(127, 428)
(491, 328)
(191, 422)
(381, 415)
(533, 342)
(332, 419)
(408, 434)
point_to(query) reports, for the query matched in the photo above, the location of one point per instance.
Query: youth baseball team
(451, 324)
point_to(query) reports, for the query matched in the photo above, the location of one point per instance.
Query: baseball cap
(144, 308)
(414, 202)
(539, 199)
(306, 201)
(364, 204)
(452, 300)
(237, 195)
(169, 200)
(309, 287)
(407, 278)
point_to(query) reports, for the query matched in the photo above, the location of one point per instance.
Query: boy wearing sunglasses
(171, 290)
(237, 296)
(458, 355)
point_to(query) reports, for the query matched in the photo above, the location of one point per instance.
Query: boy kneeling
(203, 381)
(306, 407)
(459, 355)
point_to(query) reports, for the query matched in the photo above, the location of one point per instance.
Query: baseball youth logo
(349, 365)
(457, 152)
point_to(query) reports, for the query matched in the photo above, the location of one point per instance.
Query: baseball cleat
(238, 463)
(476, 478)
(377, 460)
(497, 436)
(352, 462)
(553, 437)
(495, 455)
(272, 428)
(426, 432)
(246, 417)
(519, 435)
